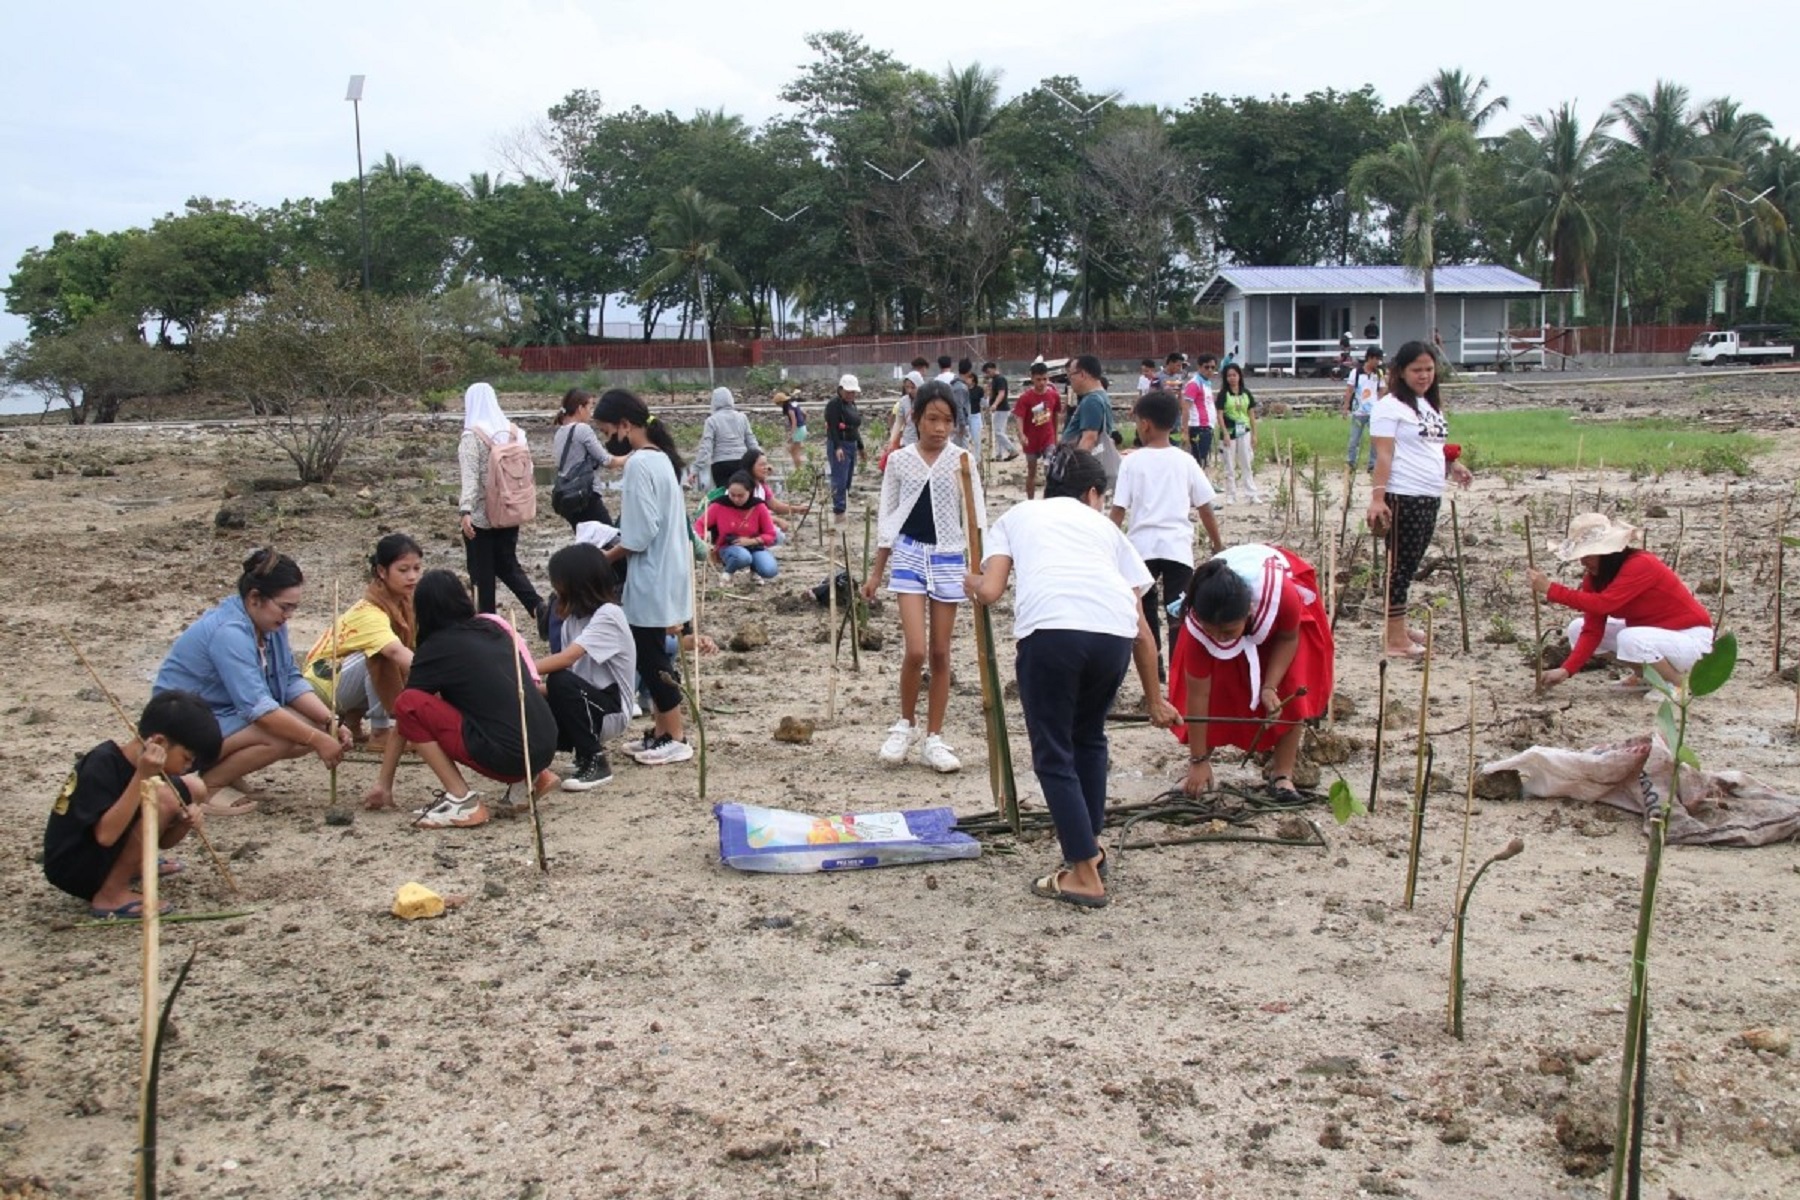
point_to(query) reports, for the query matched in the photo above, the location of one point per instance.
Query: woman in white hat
(1633, 606)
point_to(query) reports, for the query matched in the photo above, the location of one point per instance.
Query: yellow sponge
(414, 901)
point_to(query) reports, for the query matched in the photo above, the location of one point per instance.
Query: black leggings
(654, 667)
(1409, 536)
(493, 554)
(1174, 578)
(581, 710)
(595, 511)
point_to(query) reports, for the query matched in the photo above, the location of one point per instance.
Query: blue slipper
(131, 910)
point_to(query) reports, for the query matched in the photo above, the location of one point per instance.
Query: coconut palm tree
(964, 105)
(685, 234)
(1425, 179)
(1559, 169)
(1666, 139)
(1452, 96)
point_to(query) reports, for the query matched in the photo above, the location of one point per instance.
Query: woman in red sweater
(1633, 606)
(741, 530)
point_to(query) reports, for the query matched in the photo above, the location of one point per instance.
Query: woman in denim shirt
(237, 658)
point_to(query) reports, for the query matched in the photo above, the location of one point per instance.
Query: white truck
(1753, 344)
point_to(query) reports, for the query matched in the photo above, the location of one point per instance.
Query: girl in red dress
(1255, 646)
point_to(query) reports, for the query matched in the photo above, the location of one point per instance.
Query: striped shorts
(922, 570)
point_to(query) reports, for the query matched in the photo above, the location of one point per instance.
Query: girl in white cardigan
(920, 531)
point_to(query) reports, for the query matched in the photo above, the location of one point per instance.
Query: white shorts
(921, 570)
(1643, 644)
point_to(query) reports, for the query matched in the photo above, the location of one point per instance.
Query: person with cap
(724, 439)
(1632, 606)
(1362, 388)
(901, 430)
(843, 441)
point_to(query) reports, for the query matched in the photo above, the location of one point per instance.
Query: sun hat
(779, 398)
(1595, 533)
(914, 378)
(848, 384)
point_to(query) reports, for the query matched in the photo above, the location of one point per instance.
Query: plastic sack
(778, 840)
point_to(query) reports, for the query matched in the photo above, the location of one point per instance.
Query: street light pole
(354, 96)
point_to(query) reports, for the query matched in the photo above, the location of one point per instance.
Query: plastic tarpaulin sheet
(776, 839)
(1715, 808)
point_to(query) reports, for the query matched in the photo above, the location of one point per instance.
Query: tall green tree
(1424, 180)
(58, 288)
(187, 266)
(93, 367)
(963, 106)
(1452, 96)
(686, 233)
(417, 226)
(1559, 172)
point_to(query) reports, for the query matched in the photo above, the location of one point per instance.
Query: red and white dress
(1284, 598)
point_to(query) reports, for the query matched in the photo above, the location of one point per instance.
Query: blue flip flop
(131, 910)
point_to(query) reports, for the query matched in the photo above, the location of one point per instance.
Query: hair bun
(260, 561)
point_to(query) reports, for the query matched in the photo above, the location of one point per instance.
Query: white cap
(916, 379)
(848, 384)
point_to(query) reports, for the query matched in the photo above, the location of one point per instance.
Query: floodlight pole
(354, 96)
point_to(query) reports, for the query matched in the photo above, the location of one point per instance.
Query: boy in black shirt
(90, 846)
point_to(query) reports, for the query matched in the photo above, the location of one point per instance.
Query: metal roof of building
(1347, 281)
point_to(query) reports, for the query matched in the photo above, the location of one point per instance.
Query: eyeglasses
(288, 607)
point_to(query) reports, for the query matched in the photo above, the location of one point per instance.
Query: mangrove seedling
(1456, 938)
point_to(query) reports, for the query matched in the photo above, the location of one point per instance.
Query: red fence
(1636, 339)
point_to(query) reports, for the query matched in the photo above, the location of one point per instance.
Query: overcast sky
(115, 113)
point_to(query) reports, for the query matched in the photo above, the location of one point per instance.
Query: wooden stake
(1724, 553)
(1680, 536)
(697, 605)
(1468, 798)
(1780, 580)
(1381, 674)
(337, 671)
(1537, 611)
(1580, 442)
(1001, 780)
(1349, 491)
(831, 575)
(1421, 771)
(855, 613)
(131, 734)
(150, 832)
(537, 829)
(1462, 591)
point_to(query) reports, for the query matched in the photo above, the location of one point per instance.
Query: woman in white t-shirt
(1413, 456)
(1078, 623)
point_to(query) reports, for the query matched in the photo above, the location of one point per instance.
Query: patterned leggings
(1409, 536)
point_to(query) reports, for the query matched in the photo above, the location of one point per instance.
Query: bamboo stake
(1381, 672)
(1724, 553)
(1780, 580)
(132, 733)
(150, 833)
(1315, 485)
(1537, 610)
(1001, 780)
(1349, 491)
(696, 605)
(1580, 442)
(537, 829)
(337, 671)
(855, 613)
(831, 577)
(1421, 768)
(1462, 590)
(1462, 863)
(1331, 553)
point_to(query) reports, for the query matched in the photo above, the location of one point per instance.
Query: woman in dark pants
(1413, 458)
(1079, 623)
(493, 554)
(574, 445)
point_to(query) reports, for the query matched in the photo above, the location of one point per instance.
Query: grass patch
(1549, 438)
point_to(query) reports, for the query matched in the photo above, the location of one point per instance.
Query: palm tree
(964, 105)
(685, 233)
(1452, 96)
(1557, 169)
(1426, 182)
(1770, 236)
(1666, 138)
(1731, 133)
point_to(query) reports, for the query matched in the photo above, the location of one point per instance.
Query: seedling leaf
(1711, 672)
(1344, 803)
(1687, 758)
(1665, 724)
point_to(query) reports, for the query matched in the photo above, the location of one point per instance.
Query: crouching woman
(463, 702)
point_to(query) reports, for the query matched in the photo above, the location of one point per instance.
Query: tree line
(900, 200)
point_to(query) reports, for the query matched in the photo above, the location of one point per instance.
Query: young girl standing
(1237, 410)
(591, 679)
(653, 538)
(920, 530)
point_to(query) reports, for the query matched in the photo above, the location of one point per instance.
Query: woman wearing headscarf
(1252, 661)
(493, 553)
(1632, 606)
(724, 439)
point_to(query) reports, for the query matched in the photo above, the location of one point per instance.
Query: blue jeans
(1068, 679)
(736, 558)
(1359, 425)
(841, 473)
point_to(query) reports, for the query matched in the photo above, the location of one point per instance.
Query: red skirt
(1232, 723)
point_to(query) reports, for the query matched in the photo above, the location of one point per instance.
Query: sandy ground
(1249, 1020)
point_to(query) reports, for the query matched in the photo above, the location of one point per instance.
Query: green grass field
(1545, 438)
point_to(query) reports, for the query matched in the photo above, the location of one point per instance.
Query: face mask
(617, 446)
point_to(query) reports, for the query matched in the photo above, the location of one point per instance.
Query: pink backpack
(511, 482)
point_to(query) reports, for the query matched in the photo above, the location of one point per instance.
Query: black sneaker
(589, 773)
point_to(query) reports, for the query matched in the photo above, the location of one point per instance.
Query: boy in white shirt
(1364, 387)
(1160, 485)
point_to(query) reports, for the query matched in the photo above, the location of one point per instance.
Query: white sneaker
(937, 755)
(667, 750)
(454, 812)
(899, 741)
(725, 579)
